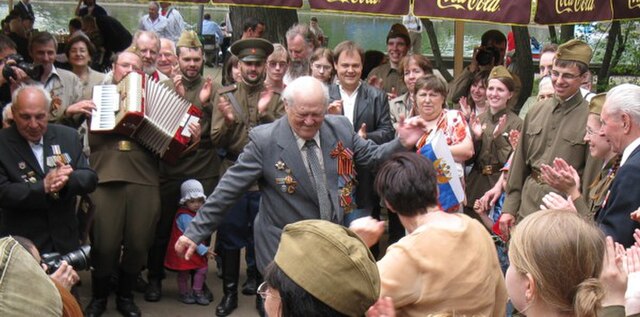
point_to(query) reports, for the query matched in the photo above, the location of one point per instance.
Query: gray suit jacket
(274, 143)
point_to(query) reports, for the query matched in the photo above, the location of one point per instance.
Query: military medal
(124, 146)
(31, 177)
(347, 173)
(56, 103)
(288, 183)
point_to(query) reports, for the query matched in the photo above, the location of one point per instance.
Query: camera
(78, 259)
(16, 60)
(487, 55)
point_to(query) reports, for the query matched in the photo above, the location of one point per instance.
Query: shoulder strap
(228, 92)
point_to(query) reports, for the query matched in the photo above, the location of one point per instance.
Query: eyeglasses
(566, 76)
(273, 64)
(263, 291)
(590, 132)
(320, 67)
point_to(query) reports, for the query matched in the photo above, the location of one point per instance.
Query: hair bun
(588, 298)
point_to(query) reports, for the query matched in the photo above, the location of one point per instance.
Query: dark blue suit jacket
(624, 198)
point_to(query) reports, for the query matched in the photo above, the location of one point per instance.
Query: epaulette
(227, 89)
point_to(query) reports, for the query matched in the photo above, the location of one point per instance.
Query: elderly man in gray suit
(298, 179)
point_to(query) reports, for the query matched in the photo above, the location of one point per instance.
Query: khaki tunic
(204, 162)
(598, 189)
(491, 153)
(551, 129)
(233, 136)
(391, 78)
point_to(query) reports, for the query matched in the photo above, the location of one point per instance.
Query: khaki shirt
(233, 136)
(204, 161)
(551, 129)
(491, 153)
(391, 78)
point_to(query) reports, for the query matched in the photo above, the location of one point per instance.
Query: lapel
(47, 140)
(334, 94)
(328, 142)
(292, 157)
(362, 102)
(21, 146)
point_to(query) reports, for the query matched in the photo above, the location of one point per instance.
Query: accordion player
(146, 111)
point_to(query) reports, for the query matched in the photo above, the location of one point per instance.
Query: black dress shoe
(96, 307)
(227, 305)
(153, 293)
(127, 307)
(250, 286)
(207, 292)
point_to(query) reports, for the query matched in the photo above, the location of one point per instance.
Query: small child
(192, 199)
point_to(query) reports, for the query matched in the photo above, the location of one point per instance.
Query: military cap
(331, 263)
(189, 39)
(252, 50)
(575, 50)
(596, 103)
(500, 72)
(399, 30)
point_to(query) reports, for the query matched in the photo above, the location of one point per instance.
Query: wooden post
(458, 48)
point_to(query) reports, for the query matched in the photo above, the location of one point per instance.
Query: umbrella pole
(458, 48)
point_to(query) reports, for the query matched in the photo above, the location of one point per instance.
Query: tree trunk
(523, 64)
(276, 21)
(622, 43)
(603, 74)
(435, 48)
(567, 33)
(553, 35)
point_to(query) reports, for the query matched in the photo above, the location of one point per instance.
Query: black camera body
(16, 60)
(487, 55)
(78, 259)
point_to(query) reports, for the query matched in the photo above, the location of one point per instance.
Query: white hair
(625, 98)
(37, 87)
(303, 85)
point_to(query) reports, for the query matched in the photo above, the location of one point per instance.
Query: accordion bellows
(147, 111)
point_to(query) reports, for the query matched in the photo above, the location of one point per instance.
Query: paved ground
(169, 306)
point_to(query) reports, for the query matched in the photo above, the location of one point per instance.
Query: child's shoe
(200, 298)
(187, 298)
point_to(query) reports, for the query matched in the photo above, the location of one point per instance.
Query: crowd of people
(297, 155)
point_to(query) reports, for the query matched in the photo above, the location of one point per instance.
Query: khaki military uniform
(233, 137)
(599, 189)
(391, 78)
(553, 128)
(491, 154)
(127, 203)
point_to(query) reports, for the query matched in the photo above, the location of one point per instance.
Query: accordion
(147, 111)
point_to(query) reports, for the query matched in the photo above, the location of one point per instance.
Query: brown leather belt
(535, 174)
(490, 169)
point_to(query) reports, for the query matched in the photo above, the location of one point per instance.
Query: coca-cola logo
(470, 5)
(573, 6)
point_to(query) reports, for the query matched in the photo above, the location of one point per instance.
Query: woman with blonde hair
(556, 258)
